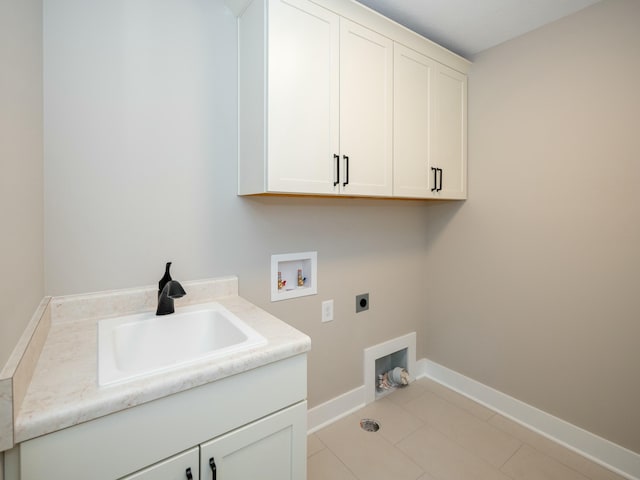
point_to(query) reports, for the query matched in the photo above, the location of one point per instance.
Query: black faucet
(168, 289)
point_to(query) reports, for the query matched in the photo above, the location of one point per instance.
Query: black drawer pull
(212, 464)
(346, 171)
(189, 475)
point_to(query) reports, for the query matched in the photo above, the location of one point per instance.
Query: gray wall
(534, 283)
(140, 156)
(21, 215)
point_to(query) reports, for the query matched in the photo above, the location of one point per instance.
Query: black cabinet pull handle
(336, 157)
(346, 171)
(440, 184)
(435, 179)
(212, 464)
(189, 475)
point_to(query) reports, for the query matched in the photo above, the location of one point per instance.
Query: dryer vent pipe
(396, 377)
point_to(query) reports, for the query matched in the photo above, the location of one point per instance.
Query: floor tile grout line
(468, 451)
(337, 458)
(412, 415)
(318, 439)
(560, 461)
(454, 404)
(345, 465)
(457, 442)
(510, 457)
(316, 453)
(469, 399)
(384, 439)
(408, 459)
(557, 458)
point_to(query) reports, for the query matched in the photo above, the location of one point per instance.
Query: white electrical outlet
(327, 310)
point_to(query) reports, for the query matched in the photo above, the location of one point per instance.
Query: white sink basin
(139, 345)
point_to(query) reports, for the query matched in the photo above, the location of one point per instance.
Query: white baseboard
(334, 409)
(602, 451)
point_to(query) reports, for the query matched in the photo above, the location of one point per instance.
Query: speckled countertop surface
(64, 388)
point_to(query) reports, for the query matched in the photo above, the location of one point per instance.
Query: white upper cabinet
(331, 102)
(302, 101)
(430, 154)
(327, 102)
(449, 154)
(412, 119)
(366, 111)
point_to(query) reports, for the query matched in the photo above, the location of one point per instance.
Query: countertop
(64, 387)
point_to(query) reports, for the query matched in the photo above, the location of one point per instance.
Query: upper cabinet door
(303, 97)
(412, 122)
(430, 118)
(366, 111)
(450, 133)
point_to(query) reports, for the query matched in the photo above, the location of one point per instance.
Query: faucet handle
(174, 289)
(165, 279)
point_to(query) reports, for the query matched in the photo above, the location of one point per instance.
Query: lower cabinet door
(273, 448)
(184, 466)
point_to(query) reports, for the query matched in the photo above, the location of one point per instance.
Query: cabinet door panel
(303, 108)
(366, 115)
(273, 448)
(173, 468)
(412, 123)
(450, 140)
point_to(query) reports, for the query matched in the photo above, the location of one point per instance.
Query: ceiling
(470, 26)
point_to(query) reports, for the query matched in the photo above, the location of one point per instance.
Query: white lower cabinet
(272, 448)
(183, 466)
(241, 423)
(269, 449)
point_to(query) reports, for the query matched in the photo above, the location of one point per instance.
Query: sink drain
(369, 425)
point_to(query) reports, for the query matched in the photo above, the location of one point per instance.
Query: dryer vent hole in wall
(391, 372)
(389, 357)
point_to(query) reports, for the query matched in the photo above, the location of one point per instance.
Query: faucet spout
(168, 289)
(171, 290)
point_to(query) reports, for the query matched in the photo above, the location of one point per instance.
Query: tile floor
(429, 432)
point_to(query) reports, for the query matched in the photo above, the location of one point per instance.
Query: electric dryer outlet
(362, 302)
